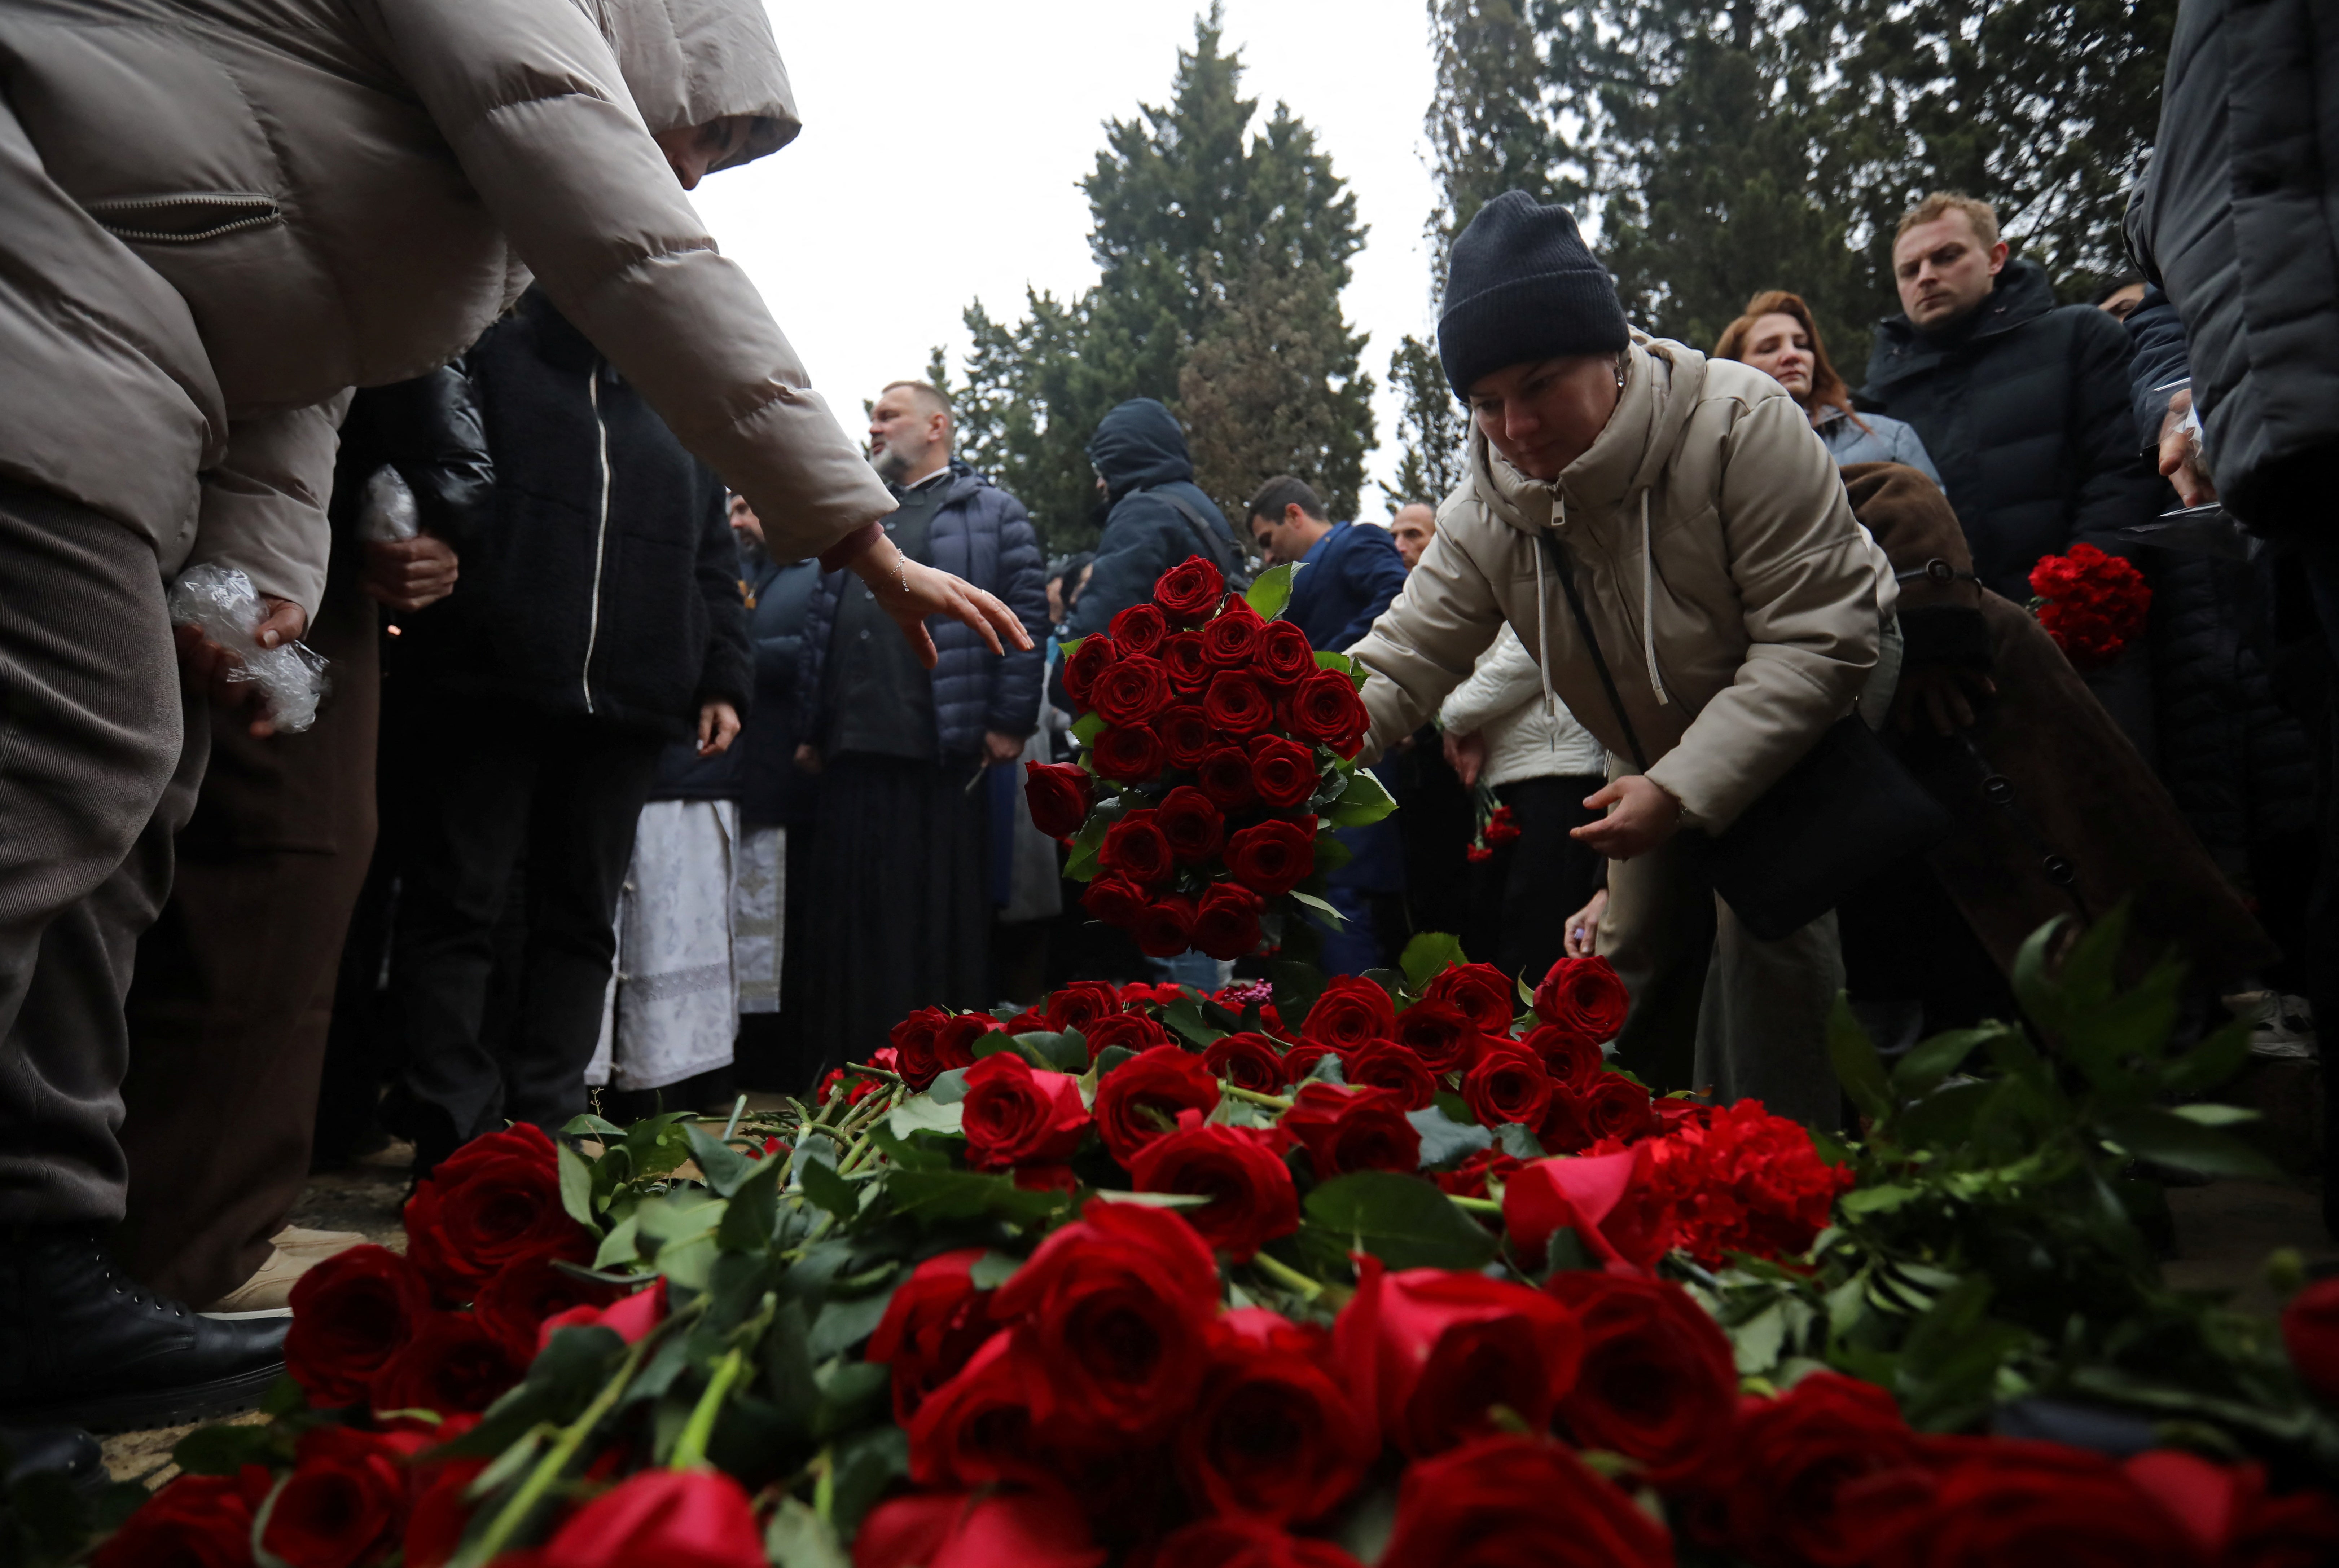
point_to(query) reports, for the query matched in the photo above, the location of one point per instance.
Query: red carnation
(1248, 1061)
(1186, 734)
(1440, 1033)
(1481, 993)
(1231, 640)
(1238, 1168)
(1226, 925)
(1508, 1085)
(1659, 1383)
(1350, 1011)
(1060, 795)
(350, 1313)
(1132, 690)
(1272, 858)
(1282, 772)
(1139, 1100)
(1385, 1064)
(1346, 1130)
(1431, 1353)
(1193, 826)
(1114, 900)
(1014, 1116)
(1165, 926)
(1126, 754)
(935, 1321)
(1586, 996)
(1189, 590)
(2092, 604)
(1188, 661)
(1493, 1503)
(1284, 655)
(1136, 847)
(1325, 708)
(1236, 704)
(1224, 774)
(1140, 630)
(493, 1200)
(1084, 665)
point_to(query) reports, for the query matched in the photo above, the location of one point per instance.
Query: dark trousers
(1521, 897)
(234, 989)
(556, 800)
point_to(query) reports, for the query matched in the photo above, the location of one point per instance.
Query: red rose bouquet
(2093, 604)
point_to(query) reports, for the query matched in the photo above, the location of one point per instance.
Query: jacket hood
(1139, 445)
(687, 61)
(1663, 381)
(2023, 295)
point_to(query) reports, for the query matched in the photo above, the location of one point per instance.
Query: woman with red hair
(1778, 337)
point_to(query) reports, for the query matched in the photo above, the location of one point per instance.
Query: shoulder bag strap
(1564, 569)
(1211, 542)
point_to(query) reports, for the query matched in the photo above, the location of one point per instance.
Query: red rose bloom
(350, 1313)
(495, 1200)
(1193, 826)
(1140, 630)
(1126, 754)
(1165, 927)
(1188, 662)
(1084, 663)
(451, 1365)
(1566, 1123)
(1114, 900)
(1014, 1116)
(1573, 1059)
(1186, 734)
(935, 1322)
(1325, 708)
(1583, 995)
(1480, 993)
(2310, 1332)
(1139, 1100)
(200, 1521)
(1351, 1010)
(1060, 795)
(1226, 925)
(628, 1317)
(1468, 1180)
(1284, 655)
(1609, 1200)
(343, 1501)
(1282, 772)
(1252, 1198)
(1248, 1061)
(1231, 641)
(1499, 1504)
(1235, 1541)
(1081, 1003)
(1617, 1108)
(957, 1530)
(677, 1518)
(1224, 776)
(1115, 1308)
(1189, 590)
(1274, 1437)
(1794, 1455)
(954, 1042)
(1236, 704)
(1386, 1064)
(514, 1302)
(1301, 1059)
(1659, 1383)
(1130, 1030)
(1272, 857)
(1429, 1352)
(1438, 1033)
(1508, 1084)
(976, 1428)
(1136, 847)
(913, 1040)
(1346, 1130)
(1132, 689)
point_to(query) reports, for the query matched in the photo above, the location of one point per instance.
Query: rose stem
(549, 1467)
(690, 1449)
(1283, 1273)
(1477, 1204)
(1253, 1096)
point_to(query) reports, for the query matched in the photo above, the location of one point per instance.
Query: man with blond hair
(2023, 404)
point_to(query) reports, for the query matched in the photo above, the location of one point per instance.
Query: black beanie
(1520, 285)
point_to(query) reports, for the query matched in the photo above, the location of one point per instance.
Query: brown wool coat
(2079, 791)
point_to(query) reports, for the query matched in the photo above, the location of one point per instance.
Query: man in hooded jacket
(215, 222)
(1158, 516)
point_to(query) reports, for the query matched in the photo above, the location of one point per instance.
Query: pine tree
(1432, 429)
(1489, 129)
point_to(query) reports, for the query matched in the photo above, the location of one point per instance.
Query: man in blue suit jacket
(1347, 574)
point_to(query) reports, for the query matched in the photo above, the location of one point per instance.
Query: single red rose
(1136, 847)
(1284, 655)
(196, 1521)
(630, 1317)
(1615, 1106)
(1346, 1130)
(976, 1427)
(1794, 1454)
(514, 1304)
(1386, 1064)
(1127, 754)
(935, 1322)
(1083, 665)
(1189, 591)
(350, 1315)
(1351, 1010)
(1081, 1003)
(1325, 708)
(2310, 1332)
(1282, 772)
(1130, 1030)
(1583, 995)
(1248, 1061)
(913, 1040)
(1301, 1061)
(1238, 1168)
(1112, 899)
(1186, 734)
(1236, 704)
(1015, 1116)
(1116, 1308)
(1272, 858)
(1431, 1353)
(674, 1518)
(1440, 1033)
(955, 1041)
(1194, 828)
(1659, 1383)
(451, 1365)
(343, 1501)
(1140, 630)
(1030, 1020)
(1610, 1200)
(1060, 795)
(1231, 640)
(1508, 1085)
(1224, 776)
(986, 1530)
(1188, 661)
(1574, 1059)
(1225, 923)
(1480, 993)
(1493, 1503)
(1468, 1180)
(493, 1200)
(1165, 926)
(1132, 689)
(1139, 1100)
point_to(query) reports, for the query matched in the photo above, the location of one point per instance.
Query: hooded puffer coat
(215, 220)
(1738, 604)
(1141, 453)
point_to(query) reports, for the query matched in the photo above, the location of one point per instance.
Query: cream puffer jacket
(215, 219)
(1528, 733)
(1738, 602)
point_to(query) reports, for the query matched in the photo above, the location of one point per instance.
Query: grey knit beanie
(1521, 285)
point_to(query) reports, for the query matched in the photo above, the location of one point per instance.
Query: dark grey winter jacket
(1141, 453)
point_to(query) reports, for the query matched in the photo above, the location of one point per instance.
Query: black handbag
(1846, 810)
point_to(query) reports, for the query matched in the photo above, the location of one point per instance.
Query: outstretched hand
(910, 592)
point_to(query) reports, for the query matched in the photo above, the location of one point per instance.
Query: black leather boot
(66, 1452)
(81, 1344)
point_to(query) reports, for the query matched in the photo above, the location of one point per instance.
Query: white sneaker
(269, 1292)
(2282, 1028)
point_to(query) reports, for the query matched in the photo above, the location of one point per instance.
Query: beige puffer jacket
(216, 218)
(1737, 600)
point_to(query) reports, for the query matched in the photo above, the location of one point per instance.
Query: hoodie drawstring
(1542, 643)
(1649, 604)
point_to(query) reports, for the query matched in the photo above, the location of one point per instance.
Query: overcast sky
(943, 143)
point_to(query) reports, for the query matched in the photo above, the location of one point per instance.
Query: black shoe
(81, 1345)
(68, 1453)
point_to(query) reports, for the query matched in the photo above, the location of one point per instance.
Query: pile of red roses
(1212, 734)
(2093, 604)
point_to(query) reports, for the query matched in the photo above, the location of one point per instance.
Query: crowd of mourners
(675, 742)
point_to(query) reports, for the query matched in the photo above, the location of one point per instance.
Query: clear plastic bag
(388, 513)
(221, 603)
